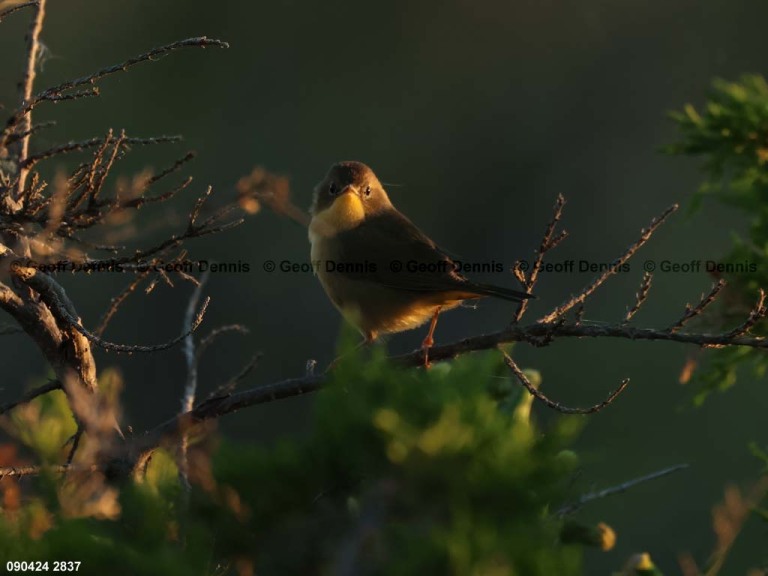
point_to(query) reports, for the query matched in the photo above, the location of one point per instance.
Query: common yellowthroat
(382, 272)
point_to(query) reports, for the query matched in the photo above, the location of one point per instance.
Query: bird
(378, 269)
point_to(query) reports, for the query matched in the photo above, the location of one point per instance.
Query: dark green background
(481, 112)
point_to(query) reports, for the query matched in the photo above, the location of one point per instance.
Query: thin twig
(536, 393)
(16, 136)
(640, 297)
(623, 487)
(76, 437)
(206, 341)
(54, 92)
(756, 314)
(31, 395)
(693, 311)
(91, 92)
(230, 385)
(117, 301)
(151, 55)
(91, 143)
(645, 235)
(548, 242)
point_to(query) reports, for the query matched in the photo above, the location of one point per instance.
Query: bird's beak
(349, 189)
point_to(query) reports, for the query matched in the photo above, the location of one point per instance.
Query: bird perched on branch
(382, 272)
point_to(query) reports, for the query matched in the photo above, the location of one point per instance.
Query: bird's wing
(402, 257)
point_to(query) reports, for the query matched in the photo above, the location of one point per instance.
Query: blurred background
(476, 114)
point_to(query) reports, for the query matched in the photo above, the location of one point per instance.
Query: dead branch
(693, 311)
(31, 395)
(117, 301)
(548, 242)
(91, 143)
(5, 13)
(61, 306)
(55, 93)
(623, 487)
(190, 388)
(640, 297)
(27, 85)
(212, 408)
(536, 393)
(645, 235)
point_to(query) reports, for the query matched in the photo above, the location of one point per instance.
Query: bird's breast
(345, 213)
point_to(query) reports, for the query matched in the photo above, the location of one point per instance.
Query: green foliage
(730, 133)
(406, 472)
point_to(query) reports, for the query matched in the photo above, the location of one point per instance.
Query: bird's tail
(500, 292)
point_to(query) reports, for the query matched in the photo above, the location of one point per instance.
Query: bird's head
(348, 194)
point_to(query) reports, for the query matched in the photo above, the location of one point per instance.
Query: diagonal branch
(623, 487)
(31, 395)
(645, 235)
(640, 297)
(693, 311)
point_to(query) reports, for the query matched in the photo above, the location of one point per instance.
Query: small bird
(382, 272)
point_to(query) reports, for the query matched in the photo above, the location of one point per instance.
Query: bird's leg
(429, 341)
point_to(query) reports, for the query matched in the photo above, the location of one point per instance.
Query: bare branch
(19, 471)
(645, 235)
(548, 242)
(56, 299)
(24, 124)
(151, 55)
(31, 395)
(5, 13)
(212, 408)
(640, 297)
(692, 312)
(92, 143)
(118, 300)
(215, 333)
(76, 437)
(87, 93)
(520, 375)
(623, 487)
(542, 333)
(190, 389)
(16, 136)
(757, 313)
(230, 385)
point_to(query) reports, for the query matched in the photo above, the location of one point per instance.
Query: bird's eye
(367, 191)
(332, 189)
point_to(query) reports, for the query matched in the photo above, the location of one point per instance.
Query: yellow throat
(345, 213)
